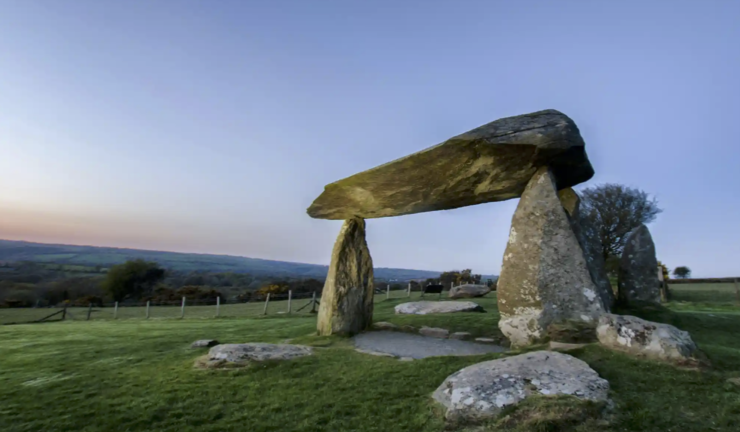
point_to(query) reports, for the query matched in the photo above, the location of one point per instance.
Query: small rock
(653, 340)
(434, 332)
(486, 340)
(204, 343)
(406, 359)
(483, 390)
(408, 328)
(565, 347)
(461, 335)
(382, 325)
(468, 291)
(735, 381)
(243, 354)
(432, 307)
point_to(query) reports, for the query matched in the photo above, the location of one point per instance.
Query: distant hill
(13, 251)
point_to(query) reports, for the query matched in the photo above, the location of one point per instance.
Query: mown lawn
(137, 375)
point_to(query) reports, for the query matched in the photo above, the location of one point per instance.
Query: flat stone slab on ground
(461, 335)
(242, 354)
(468, 291)
(483, 390)
(434, 332)
(432, 307)
(419, 347)
(204, 343)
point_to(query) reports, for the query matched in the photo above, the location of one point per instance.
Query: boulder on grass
(649, 339)
(483, 390)
(230, 355)
(432, 307)
(386, 326)
(468, 291)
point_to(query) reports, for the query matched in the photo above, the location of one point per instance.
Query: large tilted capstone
(545, 277)
(638, 269)
(491, 163)
(587, 234)
(347, 298)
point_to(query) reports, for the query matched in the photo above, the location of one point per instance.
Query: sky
(210, 127)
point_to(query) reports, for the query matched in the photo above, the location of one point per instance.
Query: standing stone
(638, 279)
(544, 277)
(347, 299)
(588, 237)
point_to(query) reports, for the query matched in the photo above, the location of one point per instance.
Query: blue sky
(202, 126)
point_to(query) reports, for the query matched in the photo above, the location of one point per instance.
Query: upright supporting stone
(346, 306)
(587, 233)
(638, 280)
(544, 277)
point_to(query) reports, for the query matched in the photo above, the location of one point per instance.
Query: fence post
(313, 303)
(64, 312)
(218, 306)
(267, 301)
(408, 294)
(290, 298)
(115, 311)
(89, 311)
(388, 292)
(182, 308)
(147, 309)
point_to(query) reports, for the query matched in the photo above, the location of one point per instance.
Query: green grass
(704, 293)
(137, 375)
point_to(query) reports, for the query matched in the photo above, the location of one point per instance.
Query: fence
(293, 304)
(302, 304)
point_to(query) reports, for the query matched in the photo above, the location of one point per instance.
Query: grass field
(704, 292)
(137, 375)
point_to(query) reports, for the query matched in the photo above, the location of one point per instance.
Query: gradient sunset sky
(210, 126)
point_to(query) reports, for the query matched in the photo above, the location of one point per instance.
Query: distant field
(299, 306)
(91, 256)
(704, 292)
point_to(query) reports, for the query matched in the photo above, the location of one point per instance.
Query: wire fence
(301, 304)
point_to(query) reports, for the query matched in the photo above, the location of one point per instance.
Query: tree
(132, 279)
(682, 272)
(616, 210)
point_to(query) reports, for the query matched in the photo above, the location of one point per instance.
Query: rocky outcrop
(638, 269)
(468, 291)
(491, 163)
(483, 390)
(544, 277)
(587, 233)
(435, 307)
(346, 306)
(229, 355)
(648, 339)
